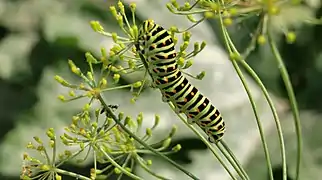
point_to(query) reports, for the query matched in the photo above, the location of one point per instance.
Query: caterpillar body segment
(155, 44)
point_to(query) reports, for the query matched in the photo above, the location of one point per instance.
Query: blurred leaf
(48, 112)
(13, 52)
(319, 63)
(311, 127)
(290, 17)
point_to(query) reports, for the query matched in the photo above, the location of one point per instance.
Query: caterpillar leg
(164, 98)
(211, 139)
(153, 85)
(191, 120)
(177, 110)
(215, 138)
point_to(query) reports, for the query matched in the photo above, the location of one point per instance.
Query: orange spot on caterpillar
(152, 46)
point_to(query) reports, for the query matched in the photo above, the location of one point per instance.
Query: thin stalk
(72, 156)
(111, 114)
(269, 101)
(232, 162)
(250, 97)
(211, 148)
(133, 176)
(274, 112)
(117, 87)
(95, 161)
(45, 175)
(71, 174)
(54, 152)
(259, 124)
(128, 158)
(293, 102)
(147, 169)
(111, 165)
(233, 157)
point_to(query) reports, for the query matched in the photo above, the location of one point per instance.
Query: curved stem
(147, 169)
(274, 112)
(293, 102)
(128, 158)
(72, 156)
(133, 176)
(233, 157)
(211, 148)
(250, 97)
(270, 103)
(111, 114)
(71, 174)
(259, 124)
(232, 162)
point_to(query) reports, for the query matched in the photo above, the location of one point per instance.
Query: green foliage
(108, 142)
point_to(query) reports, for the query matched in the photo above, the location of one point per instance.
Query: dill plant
(115, 140)
(268, 11)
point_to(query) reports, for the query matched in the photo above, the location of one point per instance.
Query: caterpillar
(156, 45)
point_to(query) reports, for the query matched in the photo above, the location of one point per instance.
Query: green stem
(293, 102)
(211, 148)
(133, 176)
(250, 97)
(274, 112)
(117, 87)
(111, 114)
(233, 157)
(259, 124)
(147, 169)
(128, 158)
(111, 165)
(77, 176)
(269, 100)
(54, 152)
(71, 157)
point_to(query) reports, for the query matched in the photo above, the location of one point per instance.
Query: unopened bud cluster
(96, 130)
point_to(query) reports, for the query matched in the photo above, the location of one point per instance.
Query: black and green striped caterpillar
(156, 45)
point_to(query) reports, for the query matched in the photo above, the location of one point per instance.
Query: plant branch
(250, 97)
(111, 114)
(202, 138)
(77, 176)
(293, 102)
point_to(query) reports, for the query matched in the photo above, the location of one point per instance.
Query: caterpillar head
(144, 29)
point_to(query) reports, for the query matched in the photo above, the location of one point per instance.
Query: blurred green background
(37, 37)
